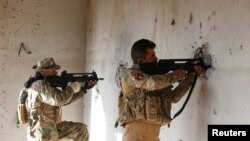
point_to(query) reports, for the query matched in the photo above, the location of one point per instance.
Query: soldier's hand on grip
(199, 70)
(180, 74)
(90, 84)
(76, 86)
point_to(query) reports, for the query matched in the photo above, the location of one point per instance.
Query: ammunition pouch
(21, 108)
(22, 114)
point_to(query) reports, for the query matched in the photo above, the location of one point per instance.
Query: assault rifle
(166, 65)
(62, 81)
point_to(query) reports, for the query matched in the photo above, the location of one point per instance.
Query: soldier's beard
(149, 68)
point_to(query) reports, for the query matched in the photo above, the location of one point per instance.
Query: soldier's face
(149, 63)
(49, 73)
(150, 57)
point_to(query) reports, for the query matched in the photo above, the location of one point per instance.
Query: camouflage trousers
(141, 131)
(64, 130)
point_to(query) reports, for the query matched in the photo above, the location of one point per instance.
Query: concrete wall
(110, 27)
(48, 28)
(114, 25)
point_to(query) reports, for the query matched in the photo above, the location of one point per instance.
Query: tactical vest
(39, 110)
(31, 108)
(142, 105)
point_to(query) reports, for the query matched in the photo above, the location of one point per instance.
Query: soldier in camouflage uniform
(145, 100)
(44, 103)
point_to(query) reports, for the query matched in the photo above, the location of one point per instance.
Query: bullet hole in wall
(214, 27)
(5, 5)
(208, 18)
(241, 47)
(173, 22)
(191, 18)
(213, 13)
(215, 111)
(230, 51)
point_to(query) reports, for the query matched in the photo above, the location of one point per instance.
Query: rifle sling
(188, 97)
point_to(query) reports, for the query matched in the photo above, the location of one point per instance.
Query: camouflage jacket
(148, 97)
(44, 106)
